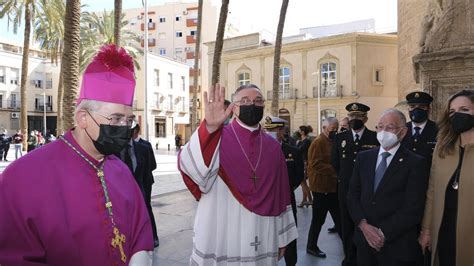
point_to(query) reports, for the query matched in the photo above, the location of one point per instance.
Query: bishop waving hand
(244, 215)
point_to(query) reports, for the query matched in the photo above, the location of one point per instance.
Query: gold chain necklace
(254, 169)
(119, 239)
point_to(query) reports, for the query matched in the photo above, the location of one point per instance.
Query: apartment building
(42, 82)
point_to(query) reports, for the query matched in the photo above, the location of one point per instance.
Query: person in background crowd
(422, 132)
(18, 141)
(6, 141)
(344, 150)
(177, 141)
(449, 212)
(148, 180)
(386, 197)
(295, 165)
(303, 145)
(344, 124)
(323, 184)
(32, 141)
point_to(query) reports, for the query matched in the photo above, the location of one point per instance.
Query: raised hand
(215, 112)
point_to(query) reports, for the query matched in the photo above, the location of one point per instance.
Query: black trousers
(322, 204)
(367, 256)
(291, 255)
(5, 151)
(347, 229)
(147, 190)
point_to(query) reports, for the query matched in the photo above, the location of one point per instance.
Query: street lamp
(319, 100)
(145, 70)
(44, 113)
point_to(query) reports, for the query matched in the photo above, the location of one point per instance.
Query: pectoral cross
(117, 241)
(256, 243)
(254, 177)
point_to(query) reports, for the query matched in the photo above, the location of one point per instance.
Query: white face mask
(387, 139)
(273, 135)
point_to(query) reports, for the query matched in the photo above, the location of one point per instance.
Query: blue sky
(257, 15)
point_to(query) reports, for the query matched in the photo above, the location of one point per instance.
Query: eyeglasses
(118, 120)
(387, 128)
(246, 101)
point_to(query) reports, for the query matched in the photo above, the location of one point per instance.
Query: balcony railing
(190, 39)
(40, 107)
(191, 22)
(335, 91)
(9, 104)
(285, 95)
(151, 42)
(151, 26)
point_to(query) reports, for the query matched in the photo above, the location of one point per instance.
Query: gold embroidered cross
(118, 240)
(254, 179)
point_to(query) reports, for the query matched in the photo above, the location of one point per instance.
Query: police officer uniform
(295, 166)
(344, 151)
(420, 139)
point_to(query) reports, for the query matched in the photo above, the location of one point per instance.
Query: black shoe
(332, 230)
(156, 242)
(318, 253)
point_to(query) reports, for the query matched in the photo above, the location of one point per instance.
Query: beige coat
(442, 170)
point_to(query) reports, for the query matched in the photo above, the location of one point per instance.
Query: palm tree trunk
(59, 122)
(70, 63)
(276, 60)
(197, 52)
(117, 21)
(24, 73)
(216, 62)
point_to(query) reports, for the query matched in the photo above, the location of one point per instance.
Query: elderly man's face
(247, 97)
(391, 122)
(109, 114)
(345, 123)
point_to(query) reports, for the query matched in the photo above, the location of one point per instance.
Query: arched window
(243, 78)
(326, 113)
(328, 79)
(285, 75)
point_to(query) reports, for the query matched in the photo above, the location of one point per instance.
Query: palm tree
(97, 30)
(117, 20)
(196, 67)
(13, 10)
(216, 62)
(70, 60)
(276, 60)
(49, 33)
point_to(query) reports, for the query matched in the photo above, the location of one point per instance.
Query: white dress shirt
(422, 126)
(358, 133)
(392, 152)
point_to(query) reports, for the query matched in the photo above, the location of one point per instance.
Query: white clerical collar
(422, 126)
(358, 133)
(251, 129)
(137, 139)
(392, 151)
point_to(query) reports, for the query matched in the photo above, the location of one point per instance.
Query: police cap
(274, 122)
(419, 97)
(357, 108)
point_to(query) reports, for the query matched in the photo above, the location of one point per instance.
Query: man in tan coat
(323, 184)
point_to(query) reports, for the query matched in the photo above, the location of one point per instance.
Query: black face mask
(250, 114)
(356, 124)
(461, 122)
(418, 115)
(343, 129)
(112, 139)
(332, 135)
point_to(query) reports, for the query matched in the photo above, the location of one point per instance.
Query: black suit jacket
(143, 166)
(344, 152)
(398, 204)
(423, 145)
(149, 180)
(294, 163)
